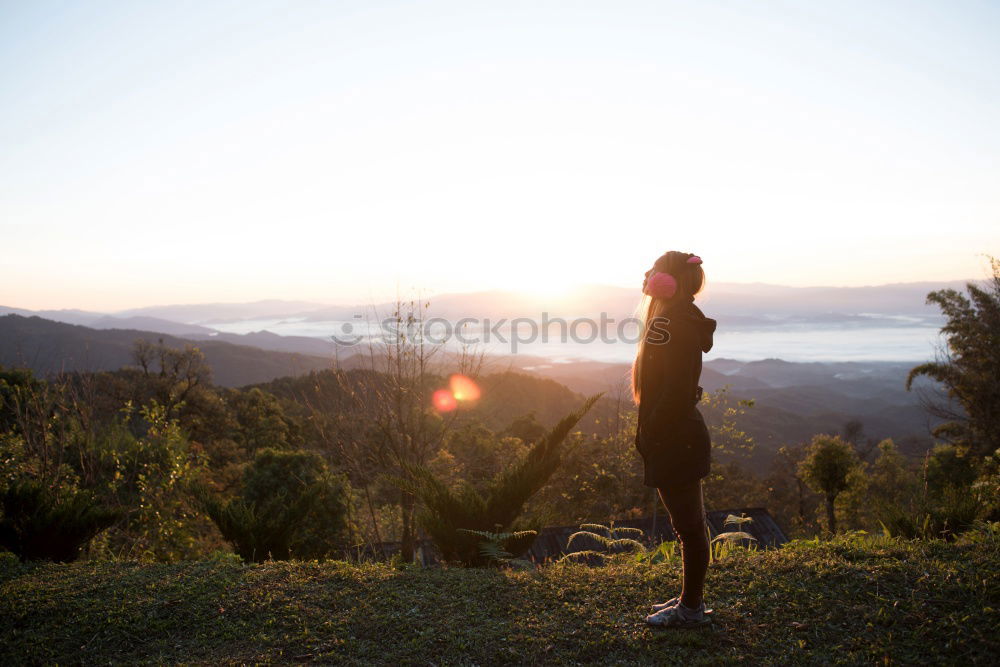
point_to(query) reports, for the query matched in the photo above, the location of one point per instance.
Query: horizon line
(498, 291)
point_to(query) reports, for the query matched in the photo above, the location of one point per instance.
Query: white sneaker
(663, 605)
(679, 616)
(659, 606)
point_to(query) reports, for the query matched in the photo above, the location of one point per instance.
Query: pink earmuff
(660, 285)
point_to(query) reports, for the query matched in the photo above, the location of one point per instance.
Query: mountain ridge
(793, 400)
(912, 294)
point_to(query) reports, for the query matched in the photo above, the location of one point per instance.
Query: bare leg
(686, 507)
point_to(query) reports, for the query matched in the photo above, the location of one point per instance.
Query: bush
(43, 523)
(289, 506)
(949, 502)
(944, 515)
(987, 487)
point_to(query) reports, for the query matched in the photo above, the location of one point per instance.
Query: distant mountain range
(49, 347)
(793, 400)
(207, 313)
(105, 321)
(733, 303)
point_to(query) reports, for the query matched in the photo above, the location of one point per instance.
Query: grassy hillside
(50, 347)
(853, 600)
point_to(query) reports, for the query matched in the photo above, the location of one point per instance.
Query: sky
(344, 152)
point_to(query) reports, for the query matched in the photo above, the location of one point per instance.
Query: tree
(893, 482)
(526, 428)
(968, 367)
(176, 373)
(828, 463)
(261, 422)
(387, 420)
(946, 467)
(880, 491)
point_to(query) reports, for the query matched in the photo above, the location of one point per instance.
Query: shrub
(948, 503)
(944, 515)
(987, 487)
(289, 505)
(45, 523)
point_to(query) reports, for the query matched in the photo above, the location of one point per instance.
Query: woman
(671, 436)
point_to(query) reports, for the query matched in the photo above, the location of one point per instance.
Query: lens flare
(463, 388)
(443, 401)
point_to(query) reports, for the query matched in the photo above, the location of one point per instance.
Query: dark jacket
(671, 436)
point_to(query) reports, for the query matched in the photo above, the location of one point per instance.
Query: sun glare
(460, 388)
(463, 388)
(443, 401)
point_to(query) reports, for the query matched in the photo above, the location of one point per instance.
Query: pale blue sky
(210, 151)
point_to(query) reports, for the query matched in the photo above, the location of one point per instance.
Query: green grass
(852, 600)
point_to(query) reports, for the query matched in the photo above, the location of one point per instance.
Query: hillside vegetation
(855, 599)
(53, 347)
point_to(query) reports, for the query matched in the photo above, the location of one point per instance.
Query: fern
(606, 542)
(492, 549)
(607, 537)
(288, 506)
(594, 527)
(589, 553)
(628, 530)
(38, 522)
(724, 543)
(733, 520)
(457, 519)
(611, 530)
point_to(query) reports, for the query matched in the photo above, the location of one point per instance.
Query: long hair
(690, 280)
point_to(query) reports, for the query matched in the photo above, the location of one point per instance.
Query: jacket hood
(704, 327)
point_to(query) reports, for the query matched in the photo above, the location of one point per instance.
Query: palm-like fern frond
(458, 520)
(594, 527)
(609, 537)
(582, 555)
(733, 536)
(493, 549)
(733, 520)
(604, 541)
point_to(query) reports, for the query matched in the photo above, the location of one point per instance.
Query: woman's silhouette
(671, 436)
